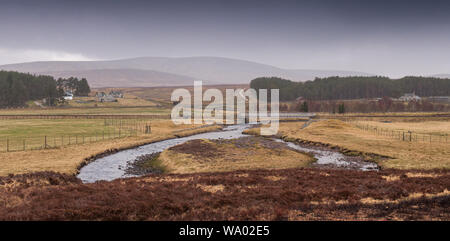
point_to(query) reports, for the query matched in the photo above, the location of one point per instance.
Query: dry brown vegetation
(229, 155)
(402, 154)
(422, 127)
(162, 94)
(389, 116)
(69, 158)
(128, 100)
(287, 194)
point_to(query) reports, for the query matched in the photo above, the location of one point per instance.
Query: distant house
(103, 97)
(68, 95)
(116, 94)
(100, 94)
(107, 98)
(409, 97)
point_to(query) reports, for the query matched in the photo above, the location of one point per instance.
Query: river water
(113, 166)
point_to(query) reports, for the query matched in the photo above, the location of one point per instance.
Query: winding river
(113, 166)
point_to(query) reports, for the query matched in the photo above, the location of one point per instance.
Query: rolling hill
(162, 71)
(125, 77)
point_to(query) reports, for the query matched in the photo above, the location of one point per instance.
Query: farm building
(107, 98)
(100, 94)
(116, 94)
(409, 97)
(68, 95)
(103, 97)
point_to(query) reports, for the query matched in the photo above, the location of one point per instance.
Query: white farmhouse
(410, 97)
(68, 96)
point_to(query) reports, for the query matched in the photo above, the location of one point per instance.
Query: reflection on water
(113, 166)
(334, 158)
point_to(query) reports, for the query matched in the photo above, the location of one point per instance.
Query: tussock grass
(212, 156)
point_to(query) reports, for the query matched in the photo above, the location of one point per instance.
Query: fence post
(45, 142)
(24, 144)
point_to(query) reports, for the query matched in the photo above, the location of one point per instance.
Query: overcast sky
(393, 38)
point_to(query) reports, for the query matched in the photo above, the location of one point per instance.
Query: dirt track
(289, 194)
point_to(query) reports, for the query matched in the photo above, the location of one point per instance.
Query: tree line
(74, 85)
(362, 106)
(345, 88)
(18, 88)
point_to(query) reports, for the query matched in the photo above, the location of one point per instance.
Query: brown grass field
(127, 100)
(111, 110)
(162, 94)
(404, 117)
(402, 154)
(422, 127)
(67, 159)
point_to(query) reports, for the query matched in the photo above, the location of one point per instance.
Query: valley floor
(242, 179)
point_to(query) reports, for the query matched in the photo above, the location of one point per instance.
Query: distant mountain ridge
(165, 71)
(123, 77)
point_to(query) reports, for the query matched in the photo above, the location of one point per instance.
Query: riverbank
(70, 159)
(244, 153)
(228, 150)
(348, 139)
(110, 166)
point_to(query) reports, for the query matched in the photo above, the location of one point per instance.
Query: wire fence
(113, 129)
(82, 116)
(402, 135)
